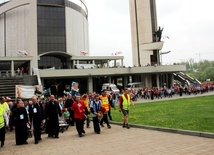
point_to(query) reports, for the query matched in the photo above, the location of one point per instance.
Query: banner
(26, 92)
(74, 88)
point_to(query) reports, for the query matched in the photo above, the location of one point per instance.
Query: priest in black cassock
(36, 117)
(20, 120)
(52, 111)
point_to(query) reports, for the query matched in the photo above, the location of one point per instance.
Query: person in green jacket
(124, 103)
(3, 119)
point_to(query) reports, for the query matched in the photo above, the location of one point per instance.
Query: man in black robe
(20, 120)
(36, 117)
(52, 110)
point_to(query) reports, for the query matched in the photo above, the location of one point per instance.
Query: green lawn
(195, 114)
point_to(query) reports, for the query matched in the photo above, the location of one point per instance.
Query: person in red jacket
(80, 112)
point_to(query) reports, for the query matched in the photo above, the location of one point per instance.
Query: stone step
(10, 85)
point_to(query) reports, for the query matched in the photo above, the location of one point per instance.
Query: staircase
(8, 86)
(185, 79)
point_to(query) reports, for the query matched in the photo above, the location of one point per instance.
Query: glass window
(51, 28)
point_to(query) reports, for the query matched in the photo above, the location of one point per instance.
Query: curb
(171, 130)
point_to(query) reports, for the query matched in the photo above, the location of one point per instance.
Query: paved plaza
(114, 141)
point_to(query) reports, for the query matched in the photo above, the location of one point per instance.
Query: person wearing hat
(3, 119)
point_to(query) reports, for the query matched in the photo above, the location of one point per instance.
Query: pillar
(157, 80)
(109, 79)
(125, 81)
(167, 80)
(146, 81)
(172, 79)
(90, 84)
(107, 63)
(74, 63)
(121, 62)
(115, 63)
(12, 68)
(31, 70)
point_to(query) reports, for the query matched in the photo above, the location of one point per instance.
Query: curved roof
(56, 53)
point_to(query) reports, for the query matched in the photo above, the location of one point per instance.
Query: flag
(83, 53)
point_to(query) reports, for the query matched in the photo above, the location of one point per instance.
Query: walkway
(114, 141)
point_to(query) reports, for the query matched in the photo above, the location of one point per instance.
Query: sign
(26, 92)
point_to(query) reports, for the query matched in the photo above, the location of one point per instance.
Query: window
(51, 28)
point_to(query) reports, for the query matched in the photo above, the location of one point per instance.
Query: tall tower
(145, 37)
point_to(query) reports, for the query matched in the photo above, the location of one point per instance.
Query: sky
(188, 23)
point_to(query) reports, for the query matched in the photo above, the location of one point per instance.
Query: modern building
(146, 45)
(44, 34)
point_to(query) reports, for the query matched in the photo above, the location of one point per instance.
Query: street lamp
(163, 53)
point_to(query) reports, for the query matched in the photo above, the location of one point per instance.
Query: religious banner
(26, 92)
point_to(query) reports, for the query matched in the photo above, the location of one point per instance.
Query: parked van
(135, 85)
(110, 88)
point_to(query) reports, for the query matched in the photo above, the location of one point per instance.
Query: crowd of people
(43, 114)
(162, 92)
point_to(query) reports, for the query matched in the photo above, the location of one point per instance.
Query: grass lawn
(195, 114)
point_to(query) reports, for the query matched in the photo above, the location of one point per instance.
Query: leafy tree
(200, 70)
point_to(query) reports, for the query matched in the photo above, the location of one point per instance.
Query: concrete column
(31, 70)
(90, 84)
(172, 79)
(125, 81)
(74, 63)
(93, 61)
(12, 68)
(157, 80)
(107, 63)
(163, 80)
(68, 61)
(147, 81)
(42, 83)
(121, 62)
(109, 79)
(167, 80)
(115, 63)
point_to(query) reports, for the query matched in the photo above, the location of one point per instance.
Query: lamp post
(163, 53)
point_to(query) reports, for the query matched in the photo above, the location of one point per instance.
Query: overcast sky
(188, 23)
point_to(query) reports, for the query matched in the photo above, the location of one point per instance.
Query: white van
(135, 85)
(110, 88)
(85, 66)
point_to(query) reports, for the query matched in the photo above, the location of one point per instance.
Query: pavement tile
(135, 141)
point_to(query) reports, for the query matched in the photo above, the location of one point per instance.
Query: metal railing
(8, 73)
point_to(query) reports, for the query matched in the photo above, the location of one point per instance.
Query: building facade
(43, 34)
(145, 43)
(48, 32)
